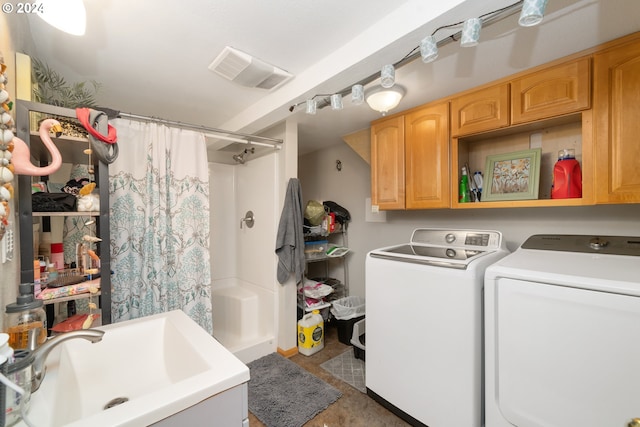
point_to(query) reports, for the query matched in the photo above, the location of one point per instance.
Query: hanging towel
(290, 241)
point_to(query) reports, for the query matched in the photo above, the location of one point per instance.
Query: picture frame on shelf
(512, 176)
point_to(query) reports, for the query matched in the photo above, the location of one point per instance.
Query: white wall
(350, 187)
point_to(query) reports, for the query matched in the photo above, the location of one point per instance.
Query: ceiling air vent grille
(245, 70)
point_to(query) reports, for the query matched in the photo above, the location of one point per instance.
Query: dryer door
(566, 356)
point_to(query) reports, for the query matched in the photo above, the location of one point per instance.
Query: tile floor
(354, 408)
(348, 368)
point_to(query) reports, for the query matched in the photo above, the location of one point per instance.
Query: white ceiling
(151, 56)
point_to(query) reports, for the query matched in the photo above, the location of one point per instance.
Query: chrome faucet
(41, 353)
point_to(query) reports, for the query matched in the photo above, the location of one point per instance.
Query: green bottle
(464, 195)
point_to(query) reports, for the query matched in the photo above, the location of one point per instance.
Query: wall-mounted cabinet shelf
(570, 131)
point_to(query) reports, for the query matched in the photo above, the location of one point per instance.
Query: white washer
(562, 339)
(424, 325)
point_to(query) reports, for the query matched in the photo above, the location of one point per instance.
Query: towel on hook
(290, 241)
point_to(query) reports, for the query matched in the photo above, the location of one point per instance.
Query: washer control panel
(458, 238)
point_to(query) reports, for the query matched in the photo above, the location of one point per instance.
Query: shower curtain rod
(213, 132)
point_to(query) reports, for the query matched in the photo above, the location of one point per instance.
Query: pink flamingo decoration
(21, 158)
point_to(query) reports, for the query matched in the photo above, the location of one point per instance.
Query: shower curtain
(159, 219)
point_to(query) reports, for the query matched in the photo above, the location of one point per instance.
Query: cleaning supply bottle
(311, 333)
(26, 320)
(464, 195)
(567, 176)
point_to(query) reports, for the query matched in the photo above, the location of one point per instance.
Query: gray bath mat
(348, 369)
(282, 394)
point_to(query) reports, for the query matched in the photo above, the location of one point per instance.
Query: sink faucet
(41, 353)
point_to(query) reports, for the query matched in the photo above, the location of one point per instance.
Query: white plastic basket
(348, 308)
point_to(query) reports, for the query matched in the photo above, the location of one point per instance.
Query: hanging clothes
(290, 240)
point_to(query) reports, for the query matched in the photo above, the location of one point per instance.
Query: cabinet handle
(634, 423)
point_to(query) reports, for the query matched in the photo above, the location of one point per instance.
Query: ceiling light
(471, 32)
(336, 101)
(384, 99)
(69, 16)
(428, 49)
(387, 76)
(312, 106)
(357, 94)
(532, 12)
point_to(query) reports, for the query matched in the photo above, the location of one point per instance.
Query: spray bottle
(464, 195)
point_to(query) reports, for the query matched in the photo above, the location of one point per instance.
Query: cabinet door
(617, 124)
(555, 91)
(482, 110)
(427, 157)
(387, 163)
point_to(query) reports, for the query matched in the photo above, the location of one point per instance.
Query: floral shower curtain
(159, 218)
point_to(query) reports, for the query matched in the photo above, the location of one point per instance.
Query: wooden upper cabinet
(427, 157)
(562, 89)
(481, 110)
(617, 123)
(387, 163)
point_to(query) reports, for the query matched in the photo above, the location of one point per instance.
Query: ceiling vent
(245, 70)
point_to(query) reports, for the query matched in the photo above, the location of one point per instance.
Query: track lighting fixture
(387, 95)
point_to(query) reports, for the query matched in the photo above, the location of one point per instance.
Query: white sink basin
(158, 365)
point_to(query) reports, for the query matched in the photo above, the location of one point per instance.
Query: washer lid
(450, 248)
(438, 256)
(433, 251)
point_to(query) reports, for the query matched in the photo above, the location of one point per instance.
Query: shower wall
(243, 262)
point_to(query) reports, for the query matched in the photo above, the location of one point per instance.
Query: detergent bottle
(311, 333)
(567, 176)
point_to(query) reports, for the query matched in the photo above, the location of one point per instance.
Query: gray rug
(282, 394)
(348, 368)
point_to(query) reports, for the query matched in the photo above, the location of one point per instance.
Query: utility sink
(143, 371)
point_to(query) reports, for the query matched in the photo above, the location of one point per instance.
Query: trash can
(358, 339)
(347, 311)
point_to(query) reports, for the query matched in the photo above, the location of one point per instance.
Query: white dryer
(562, 333)
(424, 325)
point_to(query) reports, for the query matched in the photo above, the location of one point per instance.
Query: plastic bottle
(26, 320)
(57, 255)
(464, 195)
(477, 177)
(18, 371)
(567, 176)
(311, 333)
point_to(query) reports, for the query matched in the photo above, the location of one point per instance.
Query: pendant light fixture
(384, 99)
(69, 16)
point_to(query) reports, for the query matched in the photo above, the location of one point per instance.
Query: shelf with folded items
(325, 254)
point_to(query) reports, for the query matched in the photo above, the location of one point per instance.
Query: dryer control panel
(610, 245)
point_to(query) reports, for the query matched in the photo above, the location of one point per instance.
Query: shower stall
(243, 261)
